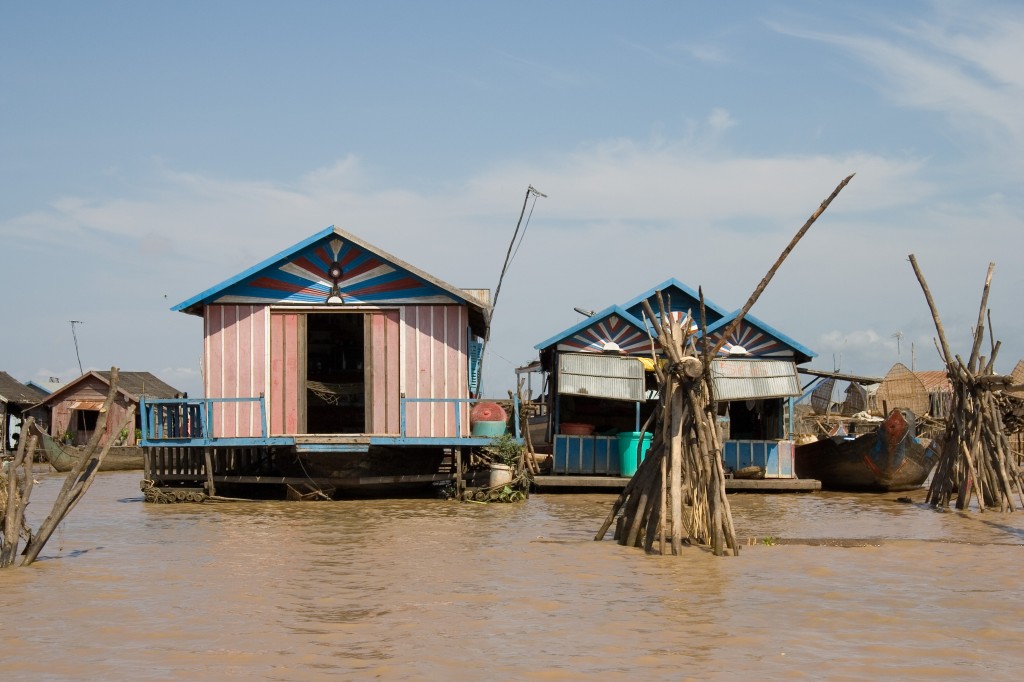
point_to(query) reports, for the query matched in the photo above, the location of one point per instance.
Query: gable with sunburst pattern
(601, 336)
(754, 338)
(365, 278)
(330, 267)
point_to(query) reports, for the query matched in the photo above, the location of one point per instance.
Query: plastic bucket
(499, 474)
(628, 442)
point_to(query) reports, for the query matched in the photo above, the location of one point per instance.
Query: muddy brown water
(836, 586)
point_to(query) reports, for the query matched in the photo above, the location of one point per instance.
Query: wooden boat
(63, 457)
(888, 459)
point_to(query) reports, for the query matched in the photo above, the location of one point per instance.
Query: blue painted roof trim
(194, 305)
(591, 321)
(766, 328)
(670, 283)
(246, 274)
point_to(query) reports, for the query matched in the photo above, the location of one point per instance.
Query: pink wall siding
(425, 352)
(236, 363)
(385, 389)
(435, 367)
(284, 372)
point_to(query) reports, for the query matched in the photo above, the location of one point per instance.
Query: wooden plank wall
(419, 350)
(236, 365)
(91, 389)
(435, 367)
(287, 338)
(384, 379)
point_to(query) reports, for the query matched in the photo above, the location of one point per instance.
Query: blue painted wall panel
(575, 455)
(775, 456)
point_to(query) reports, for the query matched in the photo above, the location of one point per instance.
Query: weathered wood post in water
(19, 488)
(975, 458)
(678, 490)
(15, 489)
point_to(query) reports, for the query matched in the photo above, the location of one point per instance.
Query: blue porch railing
(455, 403)
(190, 422)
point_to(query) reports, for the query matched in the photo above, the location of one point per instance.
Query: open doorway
(83, 424)
(335, 377)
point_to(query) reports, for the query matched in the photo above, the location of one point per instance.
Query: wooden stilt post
(211, 489)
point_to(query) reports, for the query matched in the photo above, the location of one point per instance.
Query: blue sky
(149, 151)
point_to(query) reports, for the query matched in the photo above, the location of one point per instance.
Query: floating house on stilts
(330, 369)
(599, 388)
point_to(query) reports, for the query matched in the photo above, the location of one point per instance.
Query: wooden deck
(611, 484)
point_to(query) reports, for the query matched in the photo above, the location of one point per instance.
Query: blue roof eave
(583, 324)
(673, 282)
(792, 343)
(194, 305)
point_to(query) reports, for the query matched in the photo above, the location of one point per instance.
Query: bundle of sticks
(976, 458)
(678, 490)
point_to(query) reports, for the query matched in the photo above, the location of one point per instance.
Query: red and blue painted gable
(330, 265)
(610, 329)
(624, 326)
(680, 300)
(310, 276)
(754, 338)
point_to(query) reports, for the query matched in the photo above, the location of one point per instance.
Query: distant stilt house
(18, 401)
(332, 366)
(74, 408)
(600, 385)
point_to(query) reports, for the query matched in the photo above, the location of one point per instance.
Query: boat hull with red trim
(888, 459)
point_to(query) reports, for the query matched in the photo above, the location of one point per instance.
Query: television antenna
(898, 335)
(75, 337)
(513, 249)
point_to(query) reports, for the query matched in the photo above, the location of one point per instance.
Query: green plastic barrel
(628, 441)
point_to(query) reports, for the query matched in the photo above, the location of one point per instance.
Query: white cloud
(720, 121)
(961, 65)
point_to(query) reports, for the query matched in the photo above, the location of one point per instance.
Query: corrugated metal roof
(133, 384)
(17, 393)
(747, 379)
(601, 376)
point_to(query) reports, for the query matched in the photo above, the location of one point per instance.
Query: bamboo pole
(979, 330)
(778, 261)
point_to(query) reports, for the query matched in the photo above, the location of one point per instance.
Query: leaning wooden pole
(78, 481)
(778, 261)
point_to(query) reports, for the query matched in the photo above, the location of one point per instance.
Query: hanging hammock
(332, 394)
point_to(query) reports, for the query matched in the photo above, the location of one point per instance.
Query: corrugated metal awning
(86, 404)
(595, 375)
(749, 379)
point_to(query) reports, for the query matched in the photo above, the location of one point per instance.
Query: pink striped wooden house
(320, 359)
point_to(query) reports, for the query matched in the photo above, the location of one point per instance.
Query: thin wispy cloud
(965, 70)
